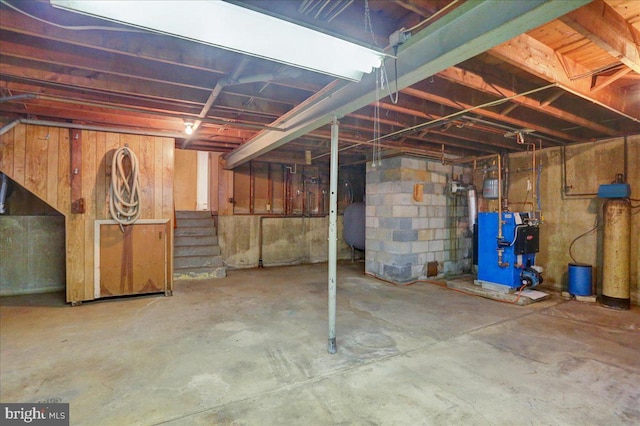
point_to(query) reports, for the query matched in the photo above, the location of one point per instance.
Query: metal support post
(333, 234)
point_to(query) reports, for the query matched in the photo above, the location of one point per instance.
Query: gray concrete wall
(32, 254)
(286, 241)
(566, 216)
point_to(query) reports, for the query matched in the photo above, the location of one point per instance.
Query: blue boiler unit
(509, 261)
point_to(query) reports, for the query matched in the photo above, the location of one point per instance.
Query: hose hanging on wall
(124, 193)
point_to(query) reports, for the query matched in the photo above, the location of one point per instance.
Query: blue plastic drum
(580, 279)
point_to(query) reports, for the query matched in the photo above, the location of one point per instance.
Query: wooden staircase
(196, 253)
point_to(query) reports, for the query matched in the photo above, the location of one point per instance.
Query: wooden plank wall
(186, 179)
(225, 189)
(38, 158)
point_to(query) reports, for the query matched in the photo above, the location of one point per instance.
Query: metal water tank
(354, 225)
(616, 254)
(490, 189)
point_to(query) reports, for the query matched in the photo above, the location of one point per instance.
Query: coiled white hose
(124, 193)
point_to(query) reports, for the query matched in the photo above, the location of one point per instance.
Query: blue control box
(614, 190)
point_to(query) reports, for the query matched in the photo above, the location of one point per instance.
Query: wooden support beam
(509, 108)
(69, 77)
(551, 99)
(534, 57)
(459, 136)
(458, 36)
(600, 82)
(82, 58)
(435, 94)
(601, 24)
(75, 145)
(171, 51)
(477, 82)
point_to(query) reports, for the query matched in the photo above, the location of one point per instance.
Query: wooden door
(133, 262)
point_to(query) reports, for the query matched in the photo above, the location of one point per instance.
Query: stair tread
(196, 249)
(199, 255)
(197, 261)
(197, 245)
(200, 273)
(189, 268)
(194, 237)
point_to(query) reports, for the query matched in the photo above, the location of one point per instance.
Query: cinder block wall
(403, 234)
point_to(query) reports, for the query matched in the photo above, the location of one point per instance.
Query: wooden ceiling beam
(600, 81)
(552, 98)
(439, 141)
(108, 117)
(80, 95)
(168, 50)
(447, 99)
(463, 137)
(146, 108)
(68, 77)
(477, 82)
(62, 112)
(458, 36)
(601, 24)
(137, 46)
(536, 58)
(362, 146)
(106, 63)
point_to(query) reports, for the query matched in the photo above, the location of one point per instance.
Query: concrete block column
(403, 235)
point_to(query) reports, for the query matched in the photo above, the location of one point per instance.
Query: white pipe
(472, 204)
(9, 126)
(333, 234)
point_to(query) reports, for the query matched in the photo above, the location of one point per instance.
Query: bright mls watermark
(40, 413)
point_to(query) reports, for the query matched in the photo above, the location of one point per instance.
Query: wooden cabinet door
(133, 262)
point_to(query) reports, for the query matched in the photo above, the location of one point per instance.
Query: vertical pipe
(500, 236)
(472, 205)
(4, 188)
(333, 234)
(505, 181)
(534, 206)
(252, 188)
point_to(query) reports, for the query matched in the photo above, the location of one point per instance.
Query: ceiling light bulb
(188, 129)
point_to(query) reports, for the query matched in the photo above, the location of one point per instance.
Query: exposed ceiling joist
(607, 29)
(61, 66)
(439, 96)
(477, 82)
(600, 82)
(467, 31)
(542, 61)
(215, 92)
(136, 44)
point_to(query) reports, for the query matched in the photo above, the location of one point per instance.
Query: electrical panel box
(527, 240)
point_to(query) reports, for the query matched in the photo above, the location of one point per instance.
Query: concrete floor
(251, 349)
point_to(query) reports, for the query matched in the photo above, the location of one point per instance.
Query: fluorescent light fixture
(239, 29)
